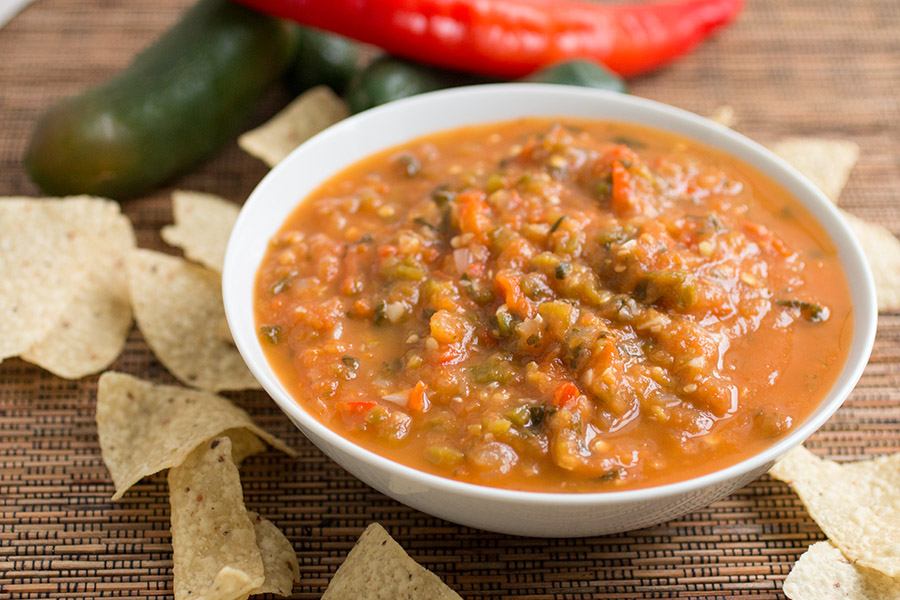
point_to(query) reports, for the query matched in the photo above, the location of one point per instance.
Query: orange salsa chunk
(555, 306)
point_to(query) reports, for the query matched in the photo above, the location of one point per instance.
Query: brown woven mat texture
(788, 67)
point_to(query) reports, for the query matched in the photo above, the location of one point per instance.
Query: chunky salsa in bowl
(554, 304)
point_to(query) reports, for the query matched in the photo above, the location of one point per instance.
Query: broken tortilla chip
(882, 251)
(214, 551)
(244, 443)
(378, 568)
(310, 113)
(178, 308)
(826, 163)
(278, 556)
(723, 115)
(856, 504)
(203, 223)
(48, 274)
(823, 573)
(145, 428)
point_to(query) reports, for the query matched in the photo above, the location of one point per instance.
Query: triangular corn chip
(215, 555)
(310, 113)
(203, 223)
(145, 428)
(178, 308)
(278, 556)
(57, 258)
(377, 568)
(857, 504)
(882, 250)
(826, 163)
(823, 573)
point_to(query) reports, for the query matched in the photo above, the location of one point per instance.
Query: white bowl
(507, 511)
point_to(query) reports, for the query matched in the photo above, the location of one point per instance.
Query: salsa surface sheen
(555, 305)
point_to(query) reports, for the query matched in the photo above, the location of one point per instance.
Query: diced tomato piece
(386, 251)
(356, 407)
(528, 149)
(351, 285)
(515, 200)
(474, 214)
(450, 354)
(362, 308)
(449, 328)
(513, 296)
(476, 270)
(609, 355)
(780, 247)
(431, 254)
(758, 231)
(622, 189)
(516, 255)
(566, 395)
(617, 154)
(765, 237)
(418, 399)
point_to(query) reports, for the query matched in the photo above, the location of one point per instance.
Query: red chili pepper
(512, 38)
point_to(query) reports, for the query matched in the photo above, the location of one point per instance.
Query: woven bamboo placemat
(788, 67)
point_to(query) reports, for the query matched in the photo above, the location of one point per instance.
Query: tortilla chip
(224, 333)
(90, 333)
(178, 308)
(278, 556)
(826, 163)
(244, 443)
(47, 247)
(145, 428)
(378, 568)
(723, 115)
(203, 223)
(310, 113)
(857, 505)
(882, 250)
(214, 551)
(822, 573)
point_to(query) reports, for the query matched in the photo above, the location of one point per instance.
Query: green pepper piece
(389, 78)
(504, 322)
(583, 73)
(498, 367)
(327, 59)
(272, 333)
(671, 288)
(177, 102)
(443, 456)
(519, 416)
(812, 312)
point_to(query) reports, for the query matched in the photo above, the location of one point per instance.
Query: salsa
(555, 305)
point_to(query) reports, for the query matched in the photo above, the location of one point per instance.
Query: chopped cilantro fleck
(272, 333)
(558, 223)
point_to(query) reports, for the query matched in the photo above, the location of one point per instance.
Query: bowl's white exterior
(506, 511)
